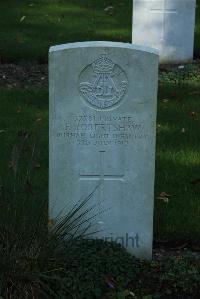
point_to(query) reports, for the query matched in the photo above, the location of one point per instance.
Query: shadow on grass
(48, 23)
(177, 155)
(177, 218)
(178, 117)
(178, 163)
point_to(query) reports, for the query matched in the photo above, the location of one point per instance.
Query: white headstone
(103, 99)
(167, 25)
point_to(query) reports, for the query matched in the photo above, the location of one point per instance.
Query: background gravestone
(103, 99)
(167, 25)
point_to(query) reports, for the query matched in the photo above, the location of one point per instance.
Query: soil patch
(12, 75)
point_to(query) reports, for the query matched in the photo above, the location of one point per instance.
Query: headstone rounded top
(103, 44)
(102, 138)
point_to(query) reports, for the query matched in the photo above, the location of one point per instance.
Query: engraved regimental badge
(103, 83)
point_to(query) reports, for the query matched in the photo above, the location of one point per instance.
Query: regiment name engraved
(104, 130)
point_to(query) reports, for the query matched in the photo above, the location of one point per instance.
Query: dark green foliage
(36, 263)
(175, 277)
(90, 265)
(180, 74)
(55, 262)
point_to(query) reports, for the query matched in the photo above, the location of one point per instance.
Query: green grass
(177, 159)
(25, 112)
(178, 162)
(49, 22)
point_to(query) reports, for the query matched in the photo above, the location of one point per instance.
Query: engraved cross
(164, 12)
(101, 176)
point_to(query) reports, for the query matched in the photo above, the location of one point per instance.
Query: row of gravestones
(103, 99)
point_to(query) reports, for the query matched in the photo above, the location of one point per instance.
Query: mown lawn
(178, 163)
(29, 28)
(24, 112)
(50, 22)
(177, 160)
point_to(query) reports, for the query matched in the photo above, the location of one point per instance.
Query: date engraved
(103, 83)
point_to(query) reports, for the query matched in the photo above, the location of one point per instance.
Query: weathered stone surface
(103, 99)
(167, 25)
